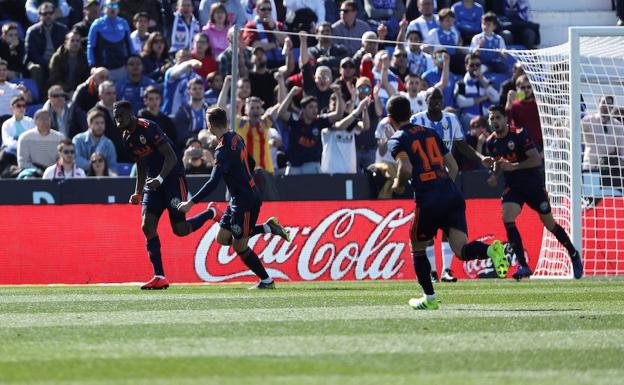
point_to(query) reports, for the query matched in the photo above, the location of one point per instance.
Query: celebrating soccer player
(238, 222)
(515, 155)
(160, 184)
(425, 161)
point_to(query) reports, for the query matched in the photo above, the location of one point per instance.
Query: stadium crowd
(311, 100)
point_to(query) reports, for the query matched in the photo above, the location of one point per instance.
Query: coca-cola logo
(352, 243)
(484, 268)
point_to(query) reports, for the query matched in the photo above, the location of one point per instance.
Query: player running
(160, 185)
(515, 155)
(238, 222)
(425, 161)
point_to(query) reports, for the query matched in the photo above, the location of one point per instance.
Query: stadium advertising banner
(331, 240)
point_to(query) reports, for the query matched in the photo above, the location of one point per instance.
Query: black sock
(423, 271)
(198, 220)
(563, 238)
(251, 260)
(153, 249)
(474, 250)
(513, 236)
(258, 229)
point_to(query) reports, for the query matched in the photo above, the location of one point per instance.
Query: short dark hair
(411, 75)
(63, 143)
(17, 98)
(414, 32)
(217, 117)
(4, 63)
(151, 90)
(445, 12)
(307, 100)
(123, 105)
(490, 17)
(139, 15)
(134, 56)
(399, 108)
(351, 3)
(472, 56)
(497, 108)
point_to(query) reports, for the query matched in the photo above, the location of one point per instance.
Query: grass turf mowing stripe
(322, 344)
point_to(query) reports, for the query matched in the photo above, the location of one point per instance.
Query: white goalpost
(583, 151)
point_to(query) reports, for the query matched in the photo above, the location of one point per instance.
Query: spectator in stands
(398, 64)
(447, 35)
(152, 100)
(94, 141)
(603, 138)
(194, 162)
(378, 70)
(69, 66)
(522, 110)
(202, 52)
(108, 97)
(140, 34)
(190, 117)
(490, 40)
(37, 147)
(216, 29)
(522, 29)
(386, 12)
(339, 154)
(155, 57)
(316, 82)
(8, 91)
(384, 170)
(418, 61)
(261, 79)
(235, 11)
(327, 47)
(272, 43)
(476, 136)
(347, 82)
(98, 166)
(12, 50)
(214, 83)
(510, 84)
(12, 128)
(468, 18)
(244, 57)
(176, 80)
(474, 94)
(185, 26)
(65, 117)
(42, 39)
(427, 20)
(414, 94)
(61, 9)
(350, 26)
(368, 47)
(131, 87)
(65, 167)
(86, 95)
(153, 8)
(316, 6)
(90, 11)
(109, 44)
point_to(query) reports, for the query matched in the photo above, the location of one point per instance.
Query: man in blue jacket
(109, 44)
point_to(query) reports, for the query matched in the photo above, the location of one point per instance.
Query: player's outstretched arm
(361, 110)
(340, 104)
(203, 192)
(451, 166)
(282, 111)
(404, 172)
(469, 152)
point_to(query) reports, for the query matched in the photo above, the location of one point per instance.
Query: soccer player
(238, 222)
(449, 129)
(515, 155)
(160, 184)
(424, 160)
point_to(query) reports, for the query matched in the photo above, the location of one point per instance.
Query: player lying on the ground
(431, 169)
(515, 155)
(238, 222)
(160, 184)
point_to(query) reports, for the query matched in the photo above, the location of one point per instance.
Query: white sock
(430, 297)
(447, 255)
(268, 280)
(160, 276)
(266, 228)
(431, 257)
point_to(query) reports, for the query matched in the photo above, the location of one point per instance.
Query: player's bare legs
(551, 225)
(224, 237)
(251, 260)
(149, 226)
(511, 211)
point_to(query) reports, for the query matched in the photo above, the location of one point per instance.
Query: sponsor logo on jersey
(142, 139)
(511, 145)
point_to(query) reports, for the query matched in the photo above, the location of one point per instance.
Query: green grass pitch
(486, 332)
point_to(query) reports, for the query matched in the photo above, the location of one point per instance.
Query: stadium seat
(123, 169)
(32, 108)
(31, 85)
(390, 50)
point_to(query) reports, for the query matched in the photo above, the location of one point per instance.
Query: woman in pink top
(216, 29)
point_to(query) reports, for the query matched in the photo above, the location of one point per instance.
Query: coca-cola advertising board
(331, 240)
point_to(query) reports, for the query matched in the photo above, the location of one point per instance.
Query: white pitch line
(289, 346)
(133, 317)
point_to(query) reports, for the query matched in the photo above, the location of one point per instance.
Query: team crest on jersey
(236, 230)
(175, 202)
(511, 145)
(315, 132)
(142, 139)
(544, 206)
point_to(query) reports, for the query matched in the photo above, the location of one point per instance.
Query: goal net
(579, 88)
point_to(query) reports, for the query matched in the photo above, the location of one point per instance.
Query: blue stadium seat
(123, 169)
(31, 85)
(390, 50)
(32, 108)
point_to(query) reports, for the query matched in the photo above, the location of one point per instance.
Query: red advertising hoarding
(331, 240)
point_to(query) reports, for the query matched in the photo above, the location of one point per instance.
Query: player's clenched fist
(136, 199)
